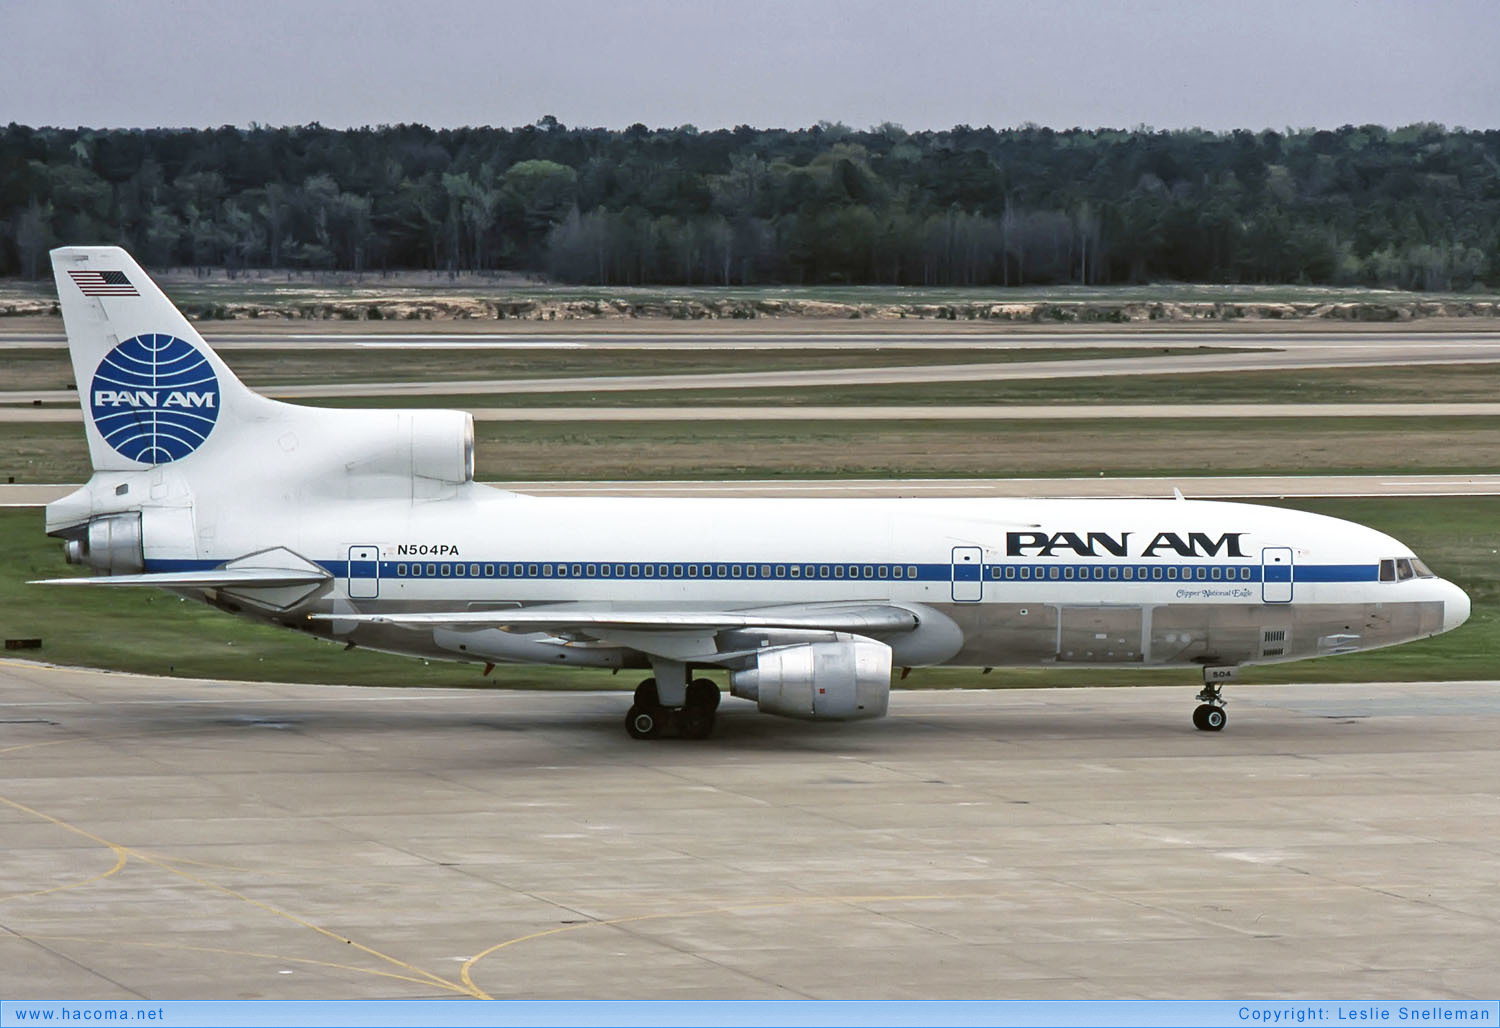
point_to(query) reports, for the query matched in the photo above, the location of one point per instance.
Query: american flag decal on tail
(103, 283)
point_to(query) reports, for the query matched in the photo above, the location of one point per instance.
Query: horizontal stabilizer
(831, 618)
(220, 578)
(266, 569)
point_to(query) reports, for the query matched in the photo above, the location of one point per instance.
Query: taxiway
(186, 839)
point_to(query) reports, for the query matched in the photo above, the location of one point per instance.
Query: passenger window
(723, 572)
(1129, 574)
(400, 570)
(898, 571)
(459, 570)
(1114, 572)
(796, 571)
(1215, 574)
(1067, 572)
(1156, 573)
(431, 570)
(882, 571)
(911, 571)
(838, 571)
(1053, 575)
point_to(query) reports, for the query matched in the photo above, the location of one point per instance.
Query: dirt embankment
(731, 309)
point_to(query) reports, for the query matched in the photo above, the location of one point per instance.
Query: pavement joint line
(226, 952)
(428, 977)
(465, 973)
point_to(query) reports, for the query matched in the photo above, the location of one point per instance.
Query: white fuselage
(1130, 582)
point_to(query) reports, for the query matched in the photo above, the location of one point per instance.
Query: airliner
(366, 527)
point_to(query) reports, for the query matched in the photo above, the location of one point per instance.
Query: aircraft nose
(1455, 607)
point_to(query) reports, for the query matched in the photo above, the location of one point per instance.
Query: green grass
(727, 449)
(151, 632)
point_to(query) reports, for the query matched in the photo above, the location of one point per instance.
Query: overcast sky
(1164, 63)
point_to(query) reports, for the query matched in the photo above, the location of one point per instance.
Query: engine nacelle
(111, 545)
(846, 679)
(435, 444)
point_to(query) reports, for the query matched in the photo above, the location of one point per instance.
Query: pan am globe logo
(154, 398)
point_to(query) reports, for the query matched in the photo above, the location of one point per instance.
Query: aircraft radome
(367, 527)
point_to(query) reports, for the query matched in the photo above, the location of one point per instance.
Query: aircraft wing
(841, 617)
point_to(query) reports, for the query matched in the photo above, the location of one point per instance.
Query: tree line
(1416, 207)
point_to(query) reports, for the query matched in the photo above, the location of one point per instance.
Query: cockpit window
(1401, 569)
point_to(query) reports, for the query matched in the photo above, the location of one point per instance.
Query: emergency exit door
(1276, 574)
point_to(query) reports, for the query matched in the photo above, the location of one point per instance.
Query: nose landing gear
(1209, 715)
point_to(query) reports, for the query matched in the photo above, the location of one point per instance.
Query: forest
(1416, 207)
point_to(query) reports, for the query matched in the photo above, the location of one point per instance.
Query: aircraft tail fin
(152, 390)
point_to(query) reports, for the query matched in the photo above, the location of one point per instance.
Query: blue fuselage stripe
(1013, 573)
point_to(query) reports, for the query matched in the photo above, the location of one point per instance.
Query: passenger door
(968, 574)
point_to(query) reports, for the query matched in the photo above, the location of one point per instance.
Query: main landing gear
(649, 718)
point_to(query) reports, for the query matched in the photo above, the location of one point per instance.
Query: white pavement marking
(1237, 487)
(932, 412)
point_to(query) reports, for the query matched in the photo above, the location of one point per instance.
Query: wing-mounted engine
(846, 678)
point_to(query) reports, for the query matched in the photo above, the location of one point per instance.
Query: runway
(931, 412)
(1288, 351)
(175, 839)
(1299, 358)
(836, 336)
(1226, 487)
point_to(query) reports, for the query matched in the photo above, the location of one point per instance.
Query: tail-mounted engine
(110, 545)
(845, 679)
